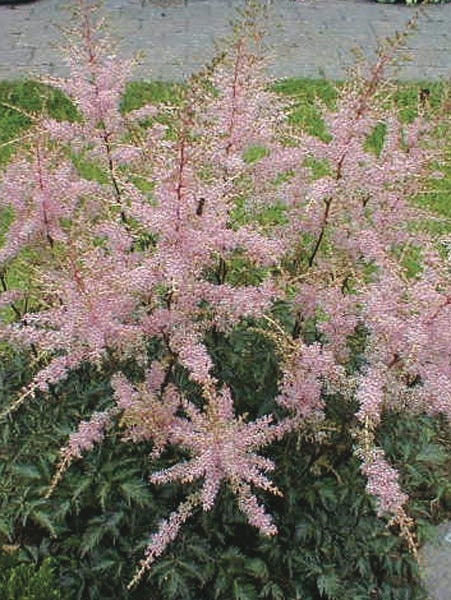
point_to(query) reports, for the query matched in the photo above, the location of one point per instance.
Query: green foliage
(421, 443)
(139, 93)
(20, 102)
(98, 515)
(331, 545)
(24, 581)
(306, 94)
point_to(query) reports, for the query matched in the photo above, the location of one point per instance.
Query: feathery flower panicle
(96, 85)
(92, 302)
(43, 190)
(167, 533)
(223, 448)
(351, 278)
(371, 394)
(97, 75)
(409, 325)
(148, 412)
(305, 374)
(335, 311)
(241, 111)
(383, 484)
(89, 434)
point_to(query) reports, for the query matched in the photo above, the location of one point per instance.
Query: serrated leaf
(303, 531)
(26, 471)
(328, 585)
(193, 570)
(328, 496)
(244, 591)
(5, 529)
(84, 484)
(432, 453)
(176, 586)
(136, 492)
(272, 591)
(257, 568)
(44, 520)
(104, 565)
(91, 538)
(104, 493)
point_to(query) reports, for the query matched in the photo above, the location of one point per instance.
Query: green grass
(306, 95)
(22, 102)
(139, 93)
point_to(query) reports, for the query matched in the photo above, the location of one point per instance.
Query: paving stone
(324, 31)
(436, 563)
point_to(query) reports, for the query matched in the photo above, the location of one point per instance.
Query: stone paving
(436, 563)
(313, 38)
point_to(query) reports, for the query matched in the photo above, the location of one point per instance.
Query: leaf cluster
(330, 543)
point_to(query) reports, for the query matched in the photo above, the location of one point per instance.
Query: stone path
(436, 560)
(313, 38)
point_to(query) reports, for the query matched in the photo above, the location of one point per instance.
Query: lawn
(20, 102)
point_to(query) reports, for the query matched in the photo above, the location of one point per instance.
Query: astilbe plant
(121, 265)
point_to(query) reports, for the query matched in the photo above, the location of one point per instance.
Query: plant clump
(149, 244)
